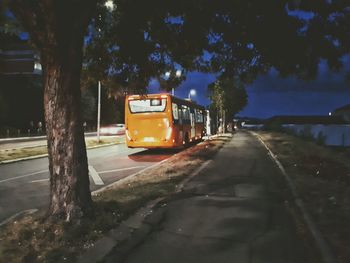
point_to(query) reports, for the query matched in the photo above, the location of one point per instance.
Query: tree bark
(57, 29)
(70, 196)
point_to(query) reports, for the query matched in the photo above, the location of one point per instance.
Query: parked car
(113, 129)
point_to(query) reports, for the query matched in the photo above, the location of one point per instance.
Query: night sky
(271, 95)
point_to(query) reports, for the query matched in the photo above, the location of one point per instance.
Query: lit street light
(109, 5)
(192, 92)
(177, 74)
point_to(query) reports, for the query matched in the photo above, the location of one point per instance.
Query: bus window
(175, 111)
(199, 116)
(148, 105)
(185, 114)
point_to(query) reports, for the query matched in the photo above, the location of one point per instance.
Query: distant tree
(89, 106)
(3, 110)
(228, 97)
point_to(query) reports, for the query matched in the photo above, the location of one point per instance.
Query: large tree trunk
(70, 196)
(57, 28)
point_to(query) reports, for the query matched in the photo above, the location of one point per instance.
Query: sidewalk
(234, 211)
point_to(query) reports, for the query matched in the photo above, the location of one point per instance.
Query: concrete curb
(17, 215)
(123, 232)
(125, 179)
(45, 155)
(321, 244)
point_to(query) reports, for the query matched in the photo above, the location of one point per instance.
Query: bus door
(178, 120)
(193, 128)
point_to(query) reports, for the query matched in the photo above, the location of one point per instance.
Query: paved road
(234, 211)
(24, 185)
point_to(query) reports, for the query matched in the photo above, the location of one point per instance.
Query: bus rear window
(148, 105)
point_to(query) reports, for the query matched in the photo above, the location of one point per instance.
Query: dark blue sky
(271, 95)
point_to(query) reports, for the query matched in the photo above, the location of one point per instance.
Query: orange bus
(162, 121)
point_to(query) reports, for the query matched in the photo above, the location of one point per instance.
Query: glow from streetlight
(109, 4)
(192, 93)
(178, 73)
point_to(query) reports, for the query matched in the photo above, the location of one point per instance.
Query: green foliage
(240, 39)
(89, 105)
(228, 95)
(9, 26)
(20, 101)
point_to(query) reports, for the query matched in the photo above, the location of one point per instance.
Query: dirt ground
(322, 178)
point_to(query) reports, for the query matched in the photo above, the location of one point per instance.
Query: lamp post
(109, 4)
(192, 92)
(177, 74)
(98, 111)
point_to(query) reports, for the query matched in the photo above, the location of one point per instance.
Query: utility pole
(98, 111)
(224, 122)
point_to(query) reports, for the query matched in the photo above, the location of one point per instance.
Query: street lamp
(192, 92)
(109, 5)
(98, 111)
(177, 74)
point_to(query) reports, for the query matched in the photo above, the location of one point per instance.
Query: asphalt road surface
(236, 210)
(25, 185)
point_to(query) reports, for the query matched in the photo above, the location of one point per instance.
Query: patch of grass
(33, 239)
(39, 150)
(22, 153)
(322, 178)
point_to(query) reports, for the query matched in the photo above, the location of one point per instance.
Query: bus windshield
(147, 105)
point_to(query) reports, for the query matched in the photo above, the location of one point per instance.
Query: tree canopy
(137, 40)
(228, 95)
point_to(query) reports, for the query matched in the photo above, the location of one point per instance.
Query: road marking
(95, 177)
(22, 176)
(42, 180)
(126, 178)
(121, 169)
